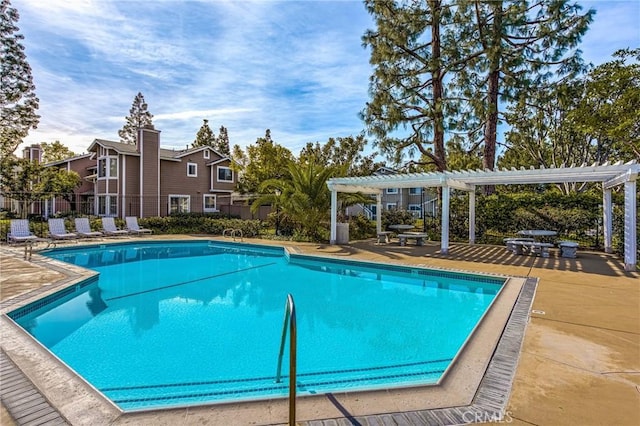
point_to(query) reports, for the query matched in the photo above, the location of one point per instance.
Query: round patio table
(537, 233)
(401, 227)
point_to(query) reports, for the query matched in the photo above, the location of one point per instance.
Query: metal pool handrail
(290, 320)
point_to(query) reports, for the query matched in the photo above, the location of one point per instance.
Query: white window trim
(218, 174)
(188, 197)
(413, 207)
(107, 171)
(417, 191)
(107, 205)
(204, 203)
(390, 206)
(196, 170)
(205, 154)
(391, 190)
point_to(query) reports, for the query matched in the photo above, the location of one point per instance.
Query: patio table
(537, 233)
(401, 227)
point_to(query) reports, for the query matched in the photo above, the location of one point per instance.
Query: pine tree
(221, 143)
(407, 86)
(138, 117)
(17, 95)
(205, 136)
(522, 46)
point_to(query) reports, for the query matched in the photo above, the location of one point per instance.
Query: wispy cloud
(295, 67)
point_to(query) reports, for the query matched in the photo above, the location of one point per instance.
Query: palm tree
(302, 196)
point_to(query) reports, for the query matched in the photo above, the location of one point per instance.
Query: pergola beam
(610, 175)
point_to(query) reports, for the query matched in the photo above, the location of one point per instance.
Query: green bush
(361, 228)
(574, 216)
(200, 224)
(397, 217)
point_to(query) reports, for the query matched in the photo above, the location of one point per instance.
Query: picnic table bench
(418, 236)
(568, 249)
(384, 237)
(533, 247)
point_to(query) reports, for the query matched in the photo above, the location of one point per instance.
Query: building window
(392, 190)
(205, 154)
(225, 174)
(107, 205)
(392, 206)
(372, 210)
(415, 191)
(209, 203)
(414, 209)
(179, 204)
(192, 170)
(108, 167)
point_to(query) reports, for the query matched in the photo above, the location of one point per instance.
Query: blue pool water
(168, 324)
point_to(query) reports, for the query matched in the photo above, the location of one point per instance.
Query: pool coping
(487, 402)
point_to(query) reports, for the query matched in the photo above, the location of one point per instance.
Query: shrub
(361, 228)
(397, 217)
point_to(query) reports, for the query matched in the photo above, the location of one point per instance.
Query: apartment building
(145, 180)
(418, 201)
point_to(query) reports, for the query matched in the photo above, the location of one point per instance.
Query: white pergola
(610, 175)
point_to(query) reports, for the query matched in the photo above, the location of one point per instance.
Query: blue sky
(295, 67)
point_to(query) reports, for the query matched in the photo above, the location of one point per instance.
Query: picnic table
(401, 227)
(537, 233)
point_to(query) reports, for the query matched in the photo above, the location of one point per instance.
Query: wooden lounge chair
(83, 228)
(19, 232)
(131, 223)
(109, 227)
(57, 230)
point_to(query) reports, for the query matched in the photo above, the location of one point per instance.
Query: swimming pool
(171, 324)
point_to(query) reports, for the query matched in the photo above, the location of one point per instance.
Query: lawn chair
(19, 232)
(133, 227)
(109, 227)
(57, 230)
(83, 228)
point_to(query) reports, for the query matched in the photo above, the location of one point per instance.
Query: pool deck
(580, 362)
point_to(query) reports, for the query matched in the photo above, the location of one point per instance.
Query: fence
(40, 209)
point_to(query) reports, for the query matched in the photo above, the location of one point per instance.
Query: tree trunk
(436, 74)
(491, 125)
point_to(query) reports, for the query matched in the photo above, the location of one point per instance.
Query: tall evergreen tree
(221, 143)
(18, 101)
(205, 136)
(407, 86)
(512, 48)
(138, 117)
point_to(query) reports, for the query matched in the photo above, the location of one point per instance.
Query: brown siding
(224, 186)
(150, 156)
(130, 184)
(174, 180)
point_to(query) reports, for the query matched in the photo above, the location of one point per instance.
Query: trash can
(342, 233)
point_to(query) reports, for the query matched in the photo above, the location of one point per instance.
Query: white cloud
(295, 67)
(183, 115)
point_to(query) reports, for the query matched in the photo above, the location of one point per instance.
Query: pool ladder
(289, 320)
(233, 233)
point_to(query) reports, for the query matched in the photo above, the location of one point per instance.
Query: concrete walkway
(581, 357)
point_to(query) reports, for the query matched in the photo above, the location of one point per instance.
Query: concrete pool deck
(580, 363)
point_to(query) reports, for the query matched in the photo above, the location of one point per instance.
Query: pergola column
(334, 216)
(630, 241)
(607, 220)
(472, 216)
(379, 212)
(444, 238)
